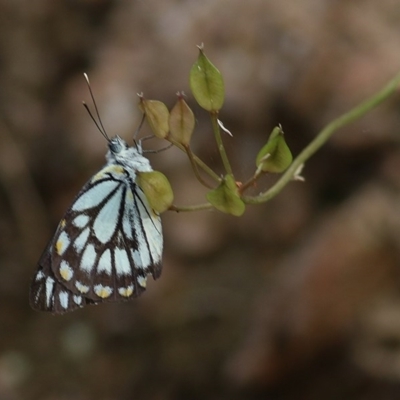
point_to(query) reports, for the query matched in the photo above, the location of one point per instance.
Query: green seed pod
(157, 116)
(157, 189)
(226, 198)
(181, 122)
(275, 156)
(206, 83)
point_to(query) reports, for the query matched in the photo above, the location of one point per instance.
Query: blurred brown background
(299, 298)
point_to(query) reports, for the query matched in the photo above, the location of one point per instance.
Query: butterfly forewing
(105, 246)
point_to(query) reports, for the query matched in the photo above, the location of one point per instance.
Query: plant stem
(206, 168)
(251, 181)
(197, 207)
(347, 118)
(220, 144)
(198, 161)
(195, 169)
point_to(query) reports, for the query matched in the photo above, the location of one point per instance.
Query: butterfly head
(120, 153)
(117, 145)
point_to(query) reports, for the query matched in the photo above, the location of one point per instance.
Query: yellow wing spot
(81, 287)
(111, 169)
(62, 243)
(59, 247)
(62, 224)
(142, 281)
(66, 272)
(103, 291)
(129, 194)
(126, 291)
(117, 169)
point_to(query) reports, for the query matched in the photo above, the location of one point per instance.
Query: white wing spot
(104, 264)
(39, 276)
(81, 287)
(38, 293)
(81, 240)
(106, 221)
(66, 271)
(77, 299)
(63, 297)
(126, 291)
(81, 221)
(88, 259)
(103, 291)
(152, 229)
(94, 196)
(122, 264)
(141, 255)
(126, 220)
(49, 291)
(62, 243)
(137, 259)
(127, 225)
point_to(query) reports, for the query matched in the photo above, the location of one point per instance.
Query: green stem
(195, 169)
(206, 168)
(198, 161)
(354, 114)
(197, 207)
(251, 181)
(221, 147)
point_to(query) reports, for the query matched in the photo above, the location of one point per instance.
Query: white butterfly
(109, 240)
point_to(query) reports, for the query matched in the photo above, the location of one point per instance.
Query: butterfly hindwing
(48, 294)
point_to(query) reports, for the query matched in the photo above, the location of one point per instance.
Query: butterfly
(107, 243)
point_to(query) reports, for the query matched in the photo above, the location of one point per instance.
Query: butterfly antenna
(98, 124)
(156, 151)
(135, 135)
